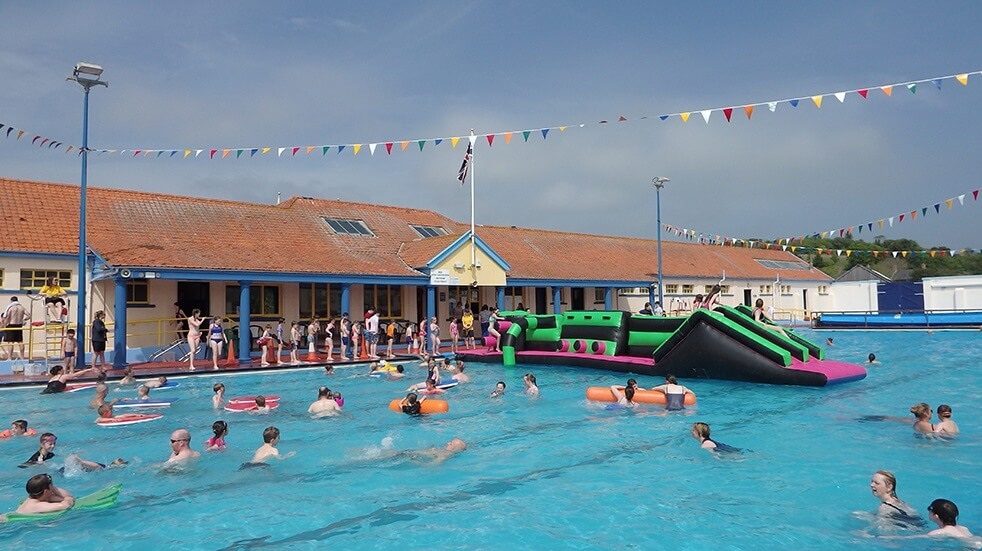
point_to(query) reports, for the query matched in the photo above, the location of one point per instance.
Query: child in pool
(271, 437)
(217, 442)
(218, 400)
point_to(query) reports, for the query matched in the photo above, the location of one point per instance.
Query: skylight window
(783, 264)
(428, 231)
(349, 227)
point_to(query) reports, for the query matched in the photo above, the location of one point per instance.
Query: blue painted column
(430, 313)
(245, 320)
(557, 300)
(499, 297)
(345, 298)
(608, 298)
(119, 328)
(651, 296)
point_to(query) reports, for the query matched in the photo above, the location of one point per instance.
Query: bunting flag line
(14, 133)
(851, 231)
(706, 114)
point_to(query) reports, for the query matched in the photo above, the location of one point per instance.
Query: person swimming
(883, 484)
(701, 432)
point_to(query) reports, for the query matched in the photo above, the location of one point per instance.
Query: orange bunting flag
(405, 144)
(225, 153)
(888, 90)
(310, 148)
(749, 110)
(507, 137)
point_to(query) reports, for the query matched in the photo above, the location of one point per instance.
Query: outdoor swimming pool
(553, 472)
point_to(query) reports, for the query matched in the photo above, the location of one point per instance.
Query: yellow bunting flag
(561, 129)
(817, 100)
(356, 147)
(454, 140)
(962, 78)
(684, 117)
(949, 202)
(266, 150)
(186, 153)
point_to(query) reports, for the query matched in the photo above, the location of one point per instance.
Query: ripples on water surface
(545, 473)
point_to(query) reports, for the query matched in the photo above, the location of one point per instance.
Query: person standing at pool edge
(194, 336)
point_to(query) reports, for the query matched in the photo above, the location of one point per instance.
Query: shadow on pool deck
(204, 367)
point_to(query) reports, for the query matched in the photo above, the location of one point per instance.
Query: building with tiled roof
(304, 257)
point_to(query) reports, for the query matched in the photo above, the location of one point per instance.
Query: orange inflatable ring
(426, 406)
(8, 434)
(641, 396)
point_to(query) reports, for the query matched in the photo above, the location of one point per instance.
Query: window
(599, 295)
(35, 279)
(823, 289)
(468, 295)
(784, 264)
(385, 299)
(349, 227)
(513, 296)
(1, 278)
(264, 300)
(137, 292)
(688, 289)
(428, 231)
(319, 299)
(785, 289)
(765, 289)
(672, 289)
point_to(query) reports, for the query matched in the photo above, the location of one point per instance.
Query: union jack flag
(465, 166)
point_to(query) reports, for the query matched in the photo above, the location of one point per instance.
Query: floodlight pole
(87, 76)
(659, 182)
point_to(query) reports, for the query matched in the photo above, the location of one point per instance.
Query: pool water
(552, 472)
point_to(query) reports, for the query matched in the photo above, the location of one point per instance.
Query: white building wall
(953, 293)
(853, 296)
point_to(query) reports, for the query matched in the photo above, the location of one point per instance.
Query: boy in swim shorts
(271, 437)
(68, 346)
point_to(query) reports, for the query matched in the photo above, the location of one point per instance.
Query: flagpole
(473, 249)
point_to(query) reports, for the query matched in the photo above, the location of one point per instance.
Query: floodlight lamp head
(659, 181)
(83, 68)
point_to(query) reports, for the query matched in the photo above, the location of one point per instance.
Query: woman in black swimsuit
(892, 508)
(59, 379)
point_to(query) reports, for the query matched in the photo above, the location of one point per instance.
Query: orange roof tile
(137, 229)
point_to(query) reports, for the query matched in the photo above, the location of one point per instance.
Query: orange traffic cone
(270, 354)
(230, 359)
(364, 349)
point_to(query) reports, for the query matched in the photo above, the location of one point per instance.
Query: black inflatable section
(585, 360)
(655, 324)
(587, 332)
(545, 321)
(507, 339)
(704, 351)
(700, 317)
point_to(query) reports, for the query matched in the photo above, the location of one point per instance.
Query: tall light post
(87, 75)
(659, 182)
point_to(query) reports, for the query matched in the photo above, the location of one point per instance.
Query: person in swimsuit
(701, 432)
(411, 404)
(217, 442)
(674, 393)
(69, 345)
(59, 379)
(944, 513)
(194, 335)
(494, 329)
(218, 400)
(871, 359)
(531, 386)
(499, 390)
(271, 437)
(624, 395)
(18, 428)
(329, 339)
(712, 299)
(884, 486)
(266, 342)
(325, 405)
(435, 456)
(44, 497)
(216, 337)
(180, 447)
(280, 341)
(295, 336)
(923, 413)
(759, 317)
(45, 453)
(945, 425)
(128, 377)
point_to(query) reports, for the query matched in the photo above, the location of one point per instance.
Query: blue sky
(205, 75)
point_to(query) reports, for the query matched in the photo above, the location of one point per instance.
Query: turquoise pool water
(553, 472)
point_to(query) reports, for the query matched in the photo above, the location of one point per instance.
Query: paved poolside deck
(146, 370)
